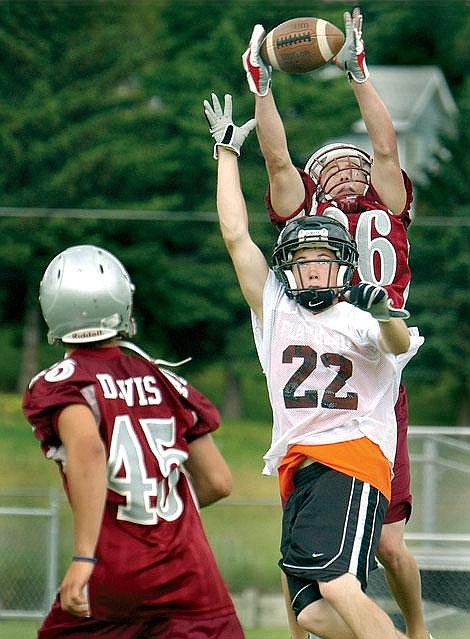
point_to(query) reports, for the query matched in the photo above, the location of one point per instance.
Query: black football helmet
(315, 232)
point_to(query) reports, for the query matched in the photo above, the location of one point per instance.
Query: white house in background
(422, 110)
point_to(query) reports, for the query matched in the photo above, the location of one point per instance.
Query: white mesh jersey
(328, 379)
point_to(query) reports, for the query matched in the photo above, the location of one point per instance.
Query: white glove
(258, 73)
(351, 57)
(222, 129)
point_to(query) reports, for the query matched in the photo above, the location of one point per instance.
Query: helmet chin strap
(158, 362)
(291, 279)
(315, 300)
(342, 270)
(349, 203)
(346, 204)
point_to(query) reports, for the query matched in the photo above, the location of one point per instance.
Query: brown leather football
(300, 45)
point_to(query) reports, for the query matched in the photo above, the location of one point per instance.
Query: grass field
(27, 630)
(244, 530)
(443, 629)
(18, 629)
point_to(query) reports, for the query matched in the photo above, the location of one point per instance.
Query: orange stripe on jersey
(359, 458)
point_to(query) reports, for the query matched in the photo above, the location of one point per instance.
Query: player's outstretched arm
(394, 334)
(286, 186)
(287, 190)
(248, 260)
(386, 175)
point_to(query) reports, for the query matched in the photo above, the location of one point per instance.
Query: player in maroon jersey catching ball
(134, 447)
(371, 197)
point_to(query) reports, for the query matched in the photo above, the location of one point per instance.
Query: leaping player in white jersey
(333, 370)
(372, 197)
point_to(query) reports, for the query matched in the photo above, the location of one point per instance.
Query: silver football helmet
(333, 166)
(86, 296)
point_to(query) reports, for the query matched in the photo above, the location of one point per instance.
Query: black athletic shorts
(331, 526)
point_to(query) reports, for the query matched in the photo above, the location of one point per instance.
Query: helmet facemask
(334, 169)
(315, 297)
(314, 232)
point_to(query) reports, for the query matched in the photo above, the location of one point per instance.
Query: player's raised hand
(351, 57)
(258, 73)
(371, 298)
(221, 125)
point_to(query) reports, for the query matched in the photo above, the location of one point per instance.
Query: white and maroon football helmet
(86, 296)
(341, 173)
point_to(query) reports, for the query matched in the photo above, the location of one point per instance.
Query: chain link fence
(29, 527)
(245, 537)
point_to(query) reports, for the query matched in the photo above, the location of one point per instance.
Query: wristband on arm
(90, 560)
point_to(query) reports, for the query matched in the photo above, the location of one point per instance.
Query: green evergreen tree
(101, 108)
(441, 273)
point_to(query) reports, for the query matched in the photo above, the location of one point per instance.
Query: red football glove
(352, 57)
(258, 73)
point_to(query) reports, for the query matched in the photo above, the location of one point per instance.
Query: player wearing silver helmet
(333, 370)
(134, 448)
(371, 196)
(86, 296)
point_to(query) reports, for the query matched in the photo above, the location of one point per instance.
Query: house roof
(406, 90)
(409, 92)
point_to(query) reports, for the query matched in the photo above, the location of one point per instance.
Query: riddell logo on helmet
(96, 332)
(312, 234)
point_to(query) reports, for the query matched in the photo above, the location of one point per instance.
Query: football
(300, 45)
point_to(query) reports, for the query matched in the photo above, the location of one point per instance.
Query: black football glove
(370, 298)
(374, 299)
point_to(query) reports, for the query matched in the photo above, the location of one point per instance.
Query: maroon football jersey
(381, 237)
(153, 555)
